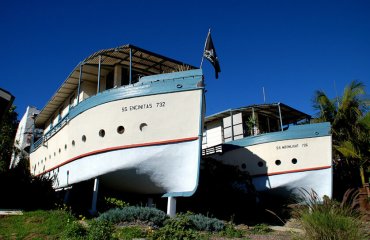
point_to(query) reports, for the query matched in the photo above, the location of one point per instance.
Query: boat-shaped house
(127, 117)
(276, 144)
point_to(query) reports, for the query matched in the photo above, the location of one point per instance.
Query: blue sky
(289, 48)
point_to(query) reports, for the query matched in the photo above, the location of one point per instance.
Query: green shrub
(329, 225)
(100, 230)
(74, 231)
(188, 226)
(231, 232)
(128, 233)
(148, 215)
(177, 228)
(203, 223)
(111, 202)
(261, 229)
(330, 219)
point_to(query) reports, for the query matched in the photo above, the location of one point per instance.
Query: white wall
(213, 134)
(87, 90)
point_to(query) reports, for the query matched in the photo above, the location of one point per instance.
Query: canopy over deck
(141, 60)
(272, 110)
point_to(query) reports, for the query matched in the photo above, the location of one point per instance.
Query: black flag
(210, 54)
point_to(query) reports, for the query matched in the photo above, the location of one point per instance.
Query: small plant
(151, 216)
(261, 229)
(74, 231)
(100, 230)
(251, 125)
(62, 207)
(112, 202)
(231, 232)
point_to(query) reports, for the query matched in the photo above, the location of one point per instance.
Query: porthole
(142, 126)
(260, 164)
(45, 159)
(73, 143)
(83, 138)
(294, 161)
(277, 162)
(102, 133)
(59, 150)
(55, 154)
(65, 146)
(244, 166)
(121, 129)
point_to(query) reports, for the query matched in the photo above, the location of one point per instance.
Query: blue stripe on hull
(294, 132)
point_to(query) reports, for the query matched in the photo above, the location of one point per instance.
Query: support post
(79, 85)
(171, 206)
(150, 202)
(232, 125)
(66, 196)
(117, 81)
(130, 65)
(98, 90)
(95, 196)
(280, 118)
(254, 122)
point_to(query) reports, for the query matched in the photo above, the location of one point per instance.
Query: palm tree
(350, 121)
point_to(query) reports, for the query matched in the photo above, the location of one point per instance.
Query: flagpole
(205, 43)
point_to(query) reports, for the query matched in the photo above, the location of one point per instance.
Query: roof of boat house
(142, 61)
(289, 114)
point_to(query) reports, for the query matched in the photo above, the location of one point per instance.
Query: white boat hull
(144, 139)
(162, 168)
(296, 184)
(286, 163)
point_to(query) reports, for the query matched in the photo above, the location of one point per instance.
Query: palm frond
(325, 107)
(348, 150)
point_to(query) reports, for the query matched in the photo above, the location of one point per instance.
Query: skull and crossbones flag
(210, 54)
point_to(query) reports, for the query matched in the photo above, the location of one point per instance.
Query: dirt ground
(291, 230)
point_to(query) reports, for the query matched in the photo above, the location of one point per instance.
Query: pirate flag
(210, 54)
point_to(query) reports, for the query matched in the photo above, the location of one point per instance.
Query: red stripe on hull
(120, 148)
(291, 171)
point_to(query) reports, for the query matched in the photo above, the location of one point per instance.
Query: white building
(23, 137)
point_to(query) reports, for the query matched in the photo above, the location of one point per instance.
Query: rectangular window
(109, 80)
(60, 114)
(204, 141)
(125, 77)
(71, 102)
